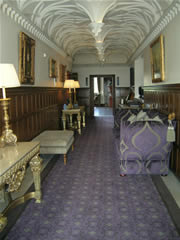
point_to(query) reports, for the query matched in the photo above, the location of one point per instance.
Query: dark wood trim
(33, 110)
(166, 98)
(163, 87)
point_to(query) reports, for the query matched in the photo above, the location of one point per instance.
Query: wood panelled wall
(121, 92)
(166, 98)
(83, 98)
(33, 110)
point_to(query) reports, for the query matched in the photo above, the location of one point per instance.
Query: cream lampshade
(69, 83)
(76, 85)
(8, 78)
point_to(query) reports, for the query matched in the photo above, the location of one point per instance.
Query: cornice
(167, 17)
(21, 20)
(100, 65)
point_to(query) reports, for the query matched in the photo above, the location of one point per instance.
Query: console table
(13, 162)
(71, 112)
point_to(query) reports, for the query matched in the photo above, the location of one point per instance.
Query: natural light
(96, 91)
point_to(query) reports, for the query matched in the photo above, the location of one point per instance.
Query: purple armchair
(142, 146)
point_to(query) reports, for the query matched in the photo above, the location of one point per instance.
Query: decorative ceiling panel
(100, 27)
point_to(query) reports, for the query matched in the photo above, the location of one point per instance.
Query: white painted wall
(138, 75)
(84, 71)
(172, 52)
(9, 52)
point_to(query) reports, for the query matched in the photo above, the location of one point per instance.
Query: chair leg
(65, 159)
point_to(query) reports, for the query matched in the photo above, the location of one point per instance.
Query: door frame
(91, 77)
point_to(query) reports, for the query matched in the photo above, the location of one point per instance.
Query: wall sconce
(8, 78)
(76, 85)
(69, 83)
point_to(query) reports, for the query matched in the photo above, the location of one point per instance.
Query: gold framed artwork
(62, 70)
(26, 59)
(52, 68)
(157, 59)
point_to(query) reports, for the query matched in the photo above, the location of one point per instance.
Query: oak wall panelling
(121, 92)
(166, 98)
(33, 110)
(83, 98)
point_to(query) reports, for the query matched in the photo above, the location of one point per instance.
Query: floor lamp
(76, 85)
(69, 83)
(8, 78)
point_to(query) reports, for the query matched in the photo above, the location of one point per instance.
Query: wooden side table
(13, 162)
(72, 112)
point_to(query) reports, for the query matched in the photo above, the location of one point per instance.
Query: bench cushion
(55, 142)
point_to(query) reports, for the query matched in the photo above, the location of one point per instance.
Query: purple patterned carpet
(88, 200)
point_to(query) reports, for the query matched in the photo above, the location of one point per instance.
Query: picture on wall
(52, 68)
(157, 59)
(62, 70)
(26, 59)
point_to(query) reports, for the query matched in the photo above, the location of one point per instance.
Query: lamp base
(7, 135)
(70, 106)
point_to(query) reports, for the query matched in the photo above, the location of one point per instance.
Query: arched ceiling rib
(103, 27)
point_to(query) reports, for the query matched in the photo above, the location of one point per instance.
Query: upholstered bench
(55, 142)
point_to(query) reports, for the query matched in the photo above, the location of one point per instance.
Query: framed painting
(26, 59)
(62, 70)
(52, 68)
(157, 59)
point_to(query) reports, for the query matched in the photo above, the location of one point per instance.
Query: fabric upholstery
(142, 145)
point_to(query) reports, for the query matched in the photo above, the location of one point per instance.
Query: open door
(92, 96)
(112, 78)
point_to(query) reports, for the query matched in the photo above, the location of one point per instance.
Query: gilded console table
(72, 112)
(13, 162)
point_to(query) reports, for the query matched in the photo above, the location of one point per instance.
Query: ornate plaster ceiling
(101, 27)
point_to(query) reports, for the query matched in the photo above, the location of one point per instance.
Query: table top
(15, 155)
(73, 110)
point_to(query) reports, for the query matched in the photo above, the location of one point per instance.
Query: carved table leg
(3, 219)
(84, 121)
(71, 124)
(3, 222)
(35, 164)
(64, 121)
(2, 194)
(79, 123)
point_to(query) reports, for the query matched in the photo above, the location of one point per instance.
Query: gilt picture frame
(26, 59)
(52, 68)
(157, 59)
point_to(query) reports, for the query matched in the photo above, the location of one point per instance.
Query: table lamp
(69, 83)
(76, 85)
(8, 78)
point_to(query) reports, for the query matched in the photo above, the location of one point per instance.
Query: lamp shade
(69, 83)
(8, 76)
(76, 84)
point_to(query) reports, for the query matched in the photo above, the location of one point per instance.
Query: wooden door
(92, 96)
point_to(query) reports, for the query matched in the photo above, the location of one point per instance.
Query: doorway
(102, 95)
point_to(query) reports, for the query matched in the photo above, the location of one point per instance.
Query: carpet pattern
(88, 200)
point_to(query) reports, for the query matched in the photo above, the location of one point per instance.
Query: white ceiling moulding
(167, 17)
(28, 26)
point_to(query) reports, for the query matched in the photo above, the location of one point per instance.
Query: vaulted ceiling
(100, 27)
